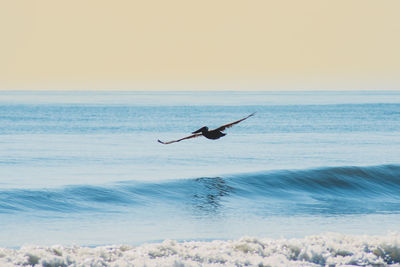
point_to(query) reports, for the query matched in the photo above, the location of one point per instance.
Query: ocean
(313, 178)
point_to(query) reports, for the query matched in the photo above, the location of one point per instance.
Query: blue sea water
(85, 168)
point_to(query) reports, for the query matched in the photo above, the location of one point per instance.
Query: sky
(200, 45)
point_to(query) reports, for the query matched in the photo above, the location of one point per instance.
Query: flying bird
(210, 134)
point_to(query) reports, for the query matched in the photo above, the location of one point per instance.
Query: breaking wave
(330, 190)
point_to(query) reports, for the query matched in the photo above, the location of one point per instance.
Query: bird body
(213, 134)
(209, 134)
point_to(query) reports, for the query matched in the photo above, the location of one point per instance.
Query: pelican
(210, 134)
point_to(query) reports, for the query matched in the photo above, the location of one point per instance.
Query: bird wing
(187, 137)
(223, 127)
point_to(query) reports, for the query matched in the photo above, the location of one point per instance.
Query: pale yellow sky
(219, 44)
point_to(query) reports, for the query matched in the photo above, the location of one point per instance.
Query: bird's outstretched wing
(187, 137)
(223, 127)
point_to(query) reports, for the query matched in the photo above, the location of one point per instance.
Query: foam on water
(330, 249)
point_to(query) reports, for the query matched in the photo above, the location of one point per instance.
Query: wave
(322, 250)
(359, 181)
(329, 190)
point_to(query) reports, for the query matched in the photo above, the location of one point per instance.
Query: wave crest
(330, 190)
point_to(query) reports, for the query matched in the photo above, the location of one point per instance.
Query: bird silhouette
(210, 134)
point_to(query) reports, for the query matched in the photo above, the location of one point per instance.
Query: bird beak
(198, 131)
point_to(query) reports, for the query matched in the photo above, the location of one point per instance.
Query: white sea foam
(329, 249)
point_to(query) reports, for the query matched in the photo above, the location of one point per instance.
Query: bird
(209, 134)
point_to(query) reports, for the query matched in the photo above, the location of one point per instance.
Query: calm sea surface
(85, 168)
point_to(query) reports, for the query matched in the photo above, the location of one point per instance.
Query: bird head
(205, 128)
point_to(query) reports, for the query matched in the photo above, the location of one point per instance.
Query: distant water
(85, 168)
